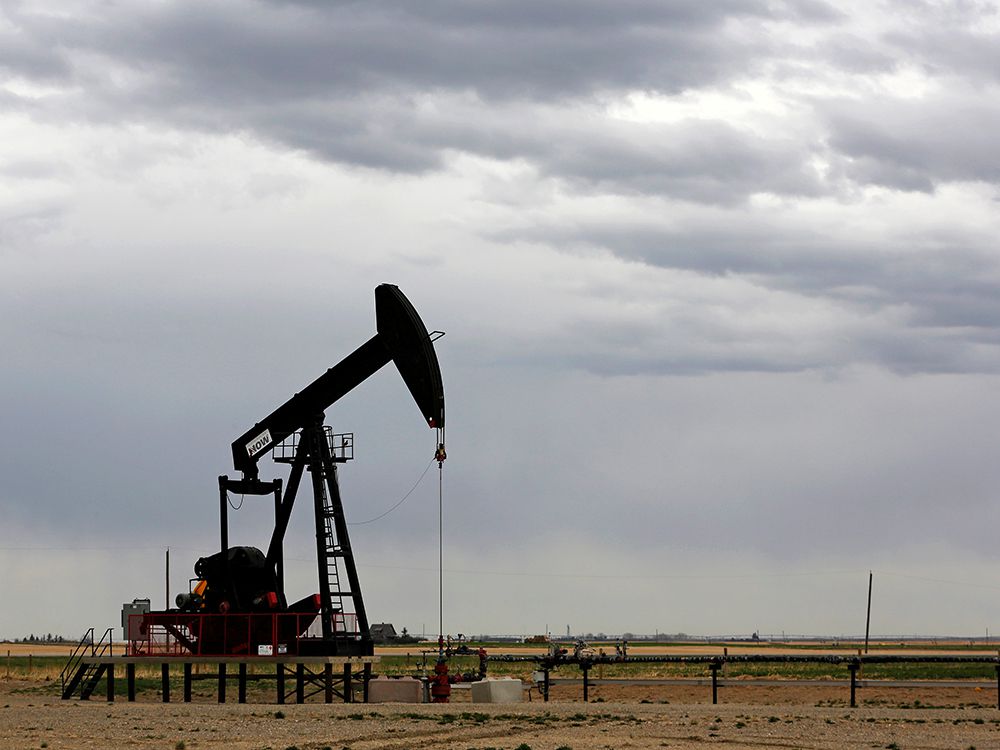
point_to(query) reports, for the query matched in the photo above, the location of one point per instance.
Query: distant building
(383, 632)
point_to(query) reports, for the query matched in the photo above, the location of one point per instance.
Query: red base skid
(232, 634)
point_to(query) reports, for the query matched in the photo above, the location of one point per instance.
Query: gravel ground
(31, 716)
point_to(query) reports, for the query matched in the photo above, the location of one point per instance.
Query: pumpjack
(225, 610)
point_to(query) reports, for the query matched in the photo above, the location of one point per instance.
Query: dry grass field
(806, 715)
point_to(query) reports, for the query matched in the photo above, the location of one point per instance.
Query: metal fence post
(241, 690)
(222, 682)
(998, 686)
(853, 666)
(165, 682)
(130, 681)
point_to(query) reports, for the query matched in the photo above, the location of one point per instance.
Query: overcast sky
(719, 281)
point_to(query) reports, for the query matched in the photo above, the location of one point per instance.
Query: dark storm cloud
(397, 86)
(521, 49)
(285, 50)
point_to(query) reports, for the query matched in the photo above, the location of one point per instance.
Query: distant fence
(714, 663)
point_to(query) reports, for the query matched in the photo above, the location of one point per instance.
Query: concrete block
(503, 690)
(389, 690)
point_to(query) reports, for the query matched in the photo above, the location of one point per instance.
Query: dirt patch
(32, 716)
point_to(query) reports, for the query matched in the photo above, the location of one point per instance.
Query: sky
(719, 283)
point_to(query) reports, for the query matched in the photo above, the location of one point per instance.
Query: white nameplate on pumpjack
(259, 443)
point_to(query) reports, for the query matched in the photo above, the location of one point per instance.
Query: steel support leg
(111, 682)
(348, 687)
(280, 680)
(187, 682)
(242, 687)
(853, 666)
(546, 684)
(367, 677)
(328, 683)
(714, 666)
(222, 682)
(130, 681)
(165, 682)
(224, 520)
(300, 689)
(586, 683)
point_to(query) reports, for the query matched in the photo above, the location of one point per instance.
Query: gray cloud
(23, 223)
(707, 161)
(917, 144)
(946, 38)
(286, 50)
(911, 301)
(341, 82)
(529, 84)
(23, 54)
(855, 54)
(32, 169)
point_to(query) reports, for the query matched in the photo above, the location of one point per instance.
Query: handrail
(77, 656)
(106, 645)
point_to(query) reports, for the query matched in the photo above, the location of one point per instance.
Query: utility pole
(167, 591)
(868, 619)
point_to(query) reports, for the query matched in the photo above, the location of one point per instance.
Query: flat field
(810, 715)
(751, 713)
(788, 718)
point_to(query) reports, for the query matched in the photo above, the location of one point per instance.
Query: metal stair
(83, 670)
(331, 552)
(91, 679)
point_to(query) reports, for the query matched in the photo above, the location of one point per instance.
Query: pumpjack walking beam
(401, 338)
